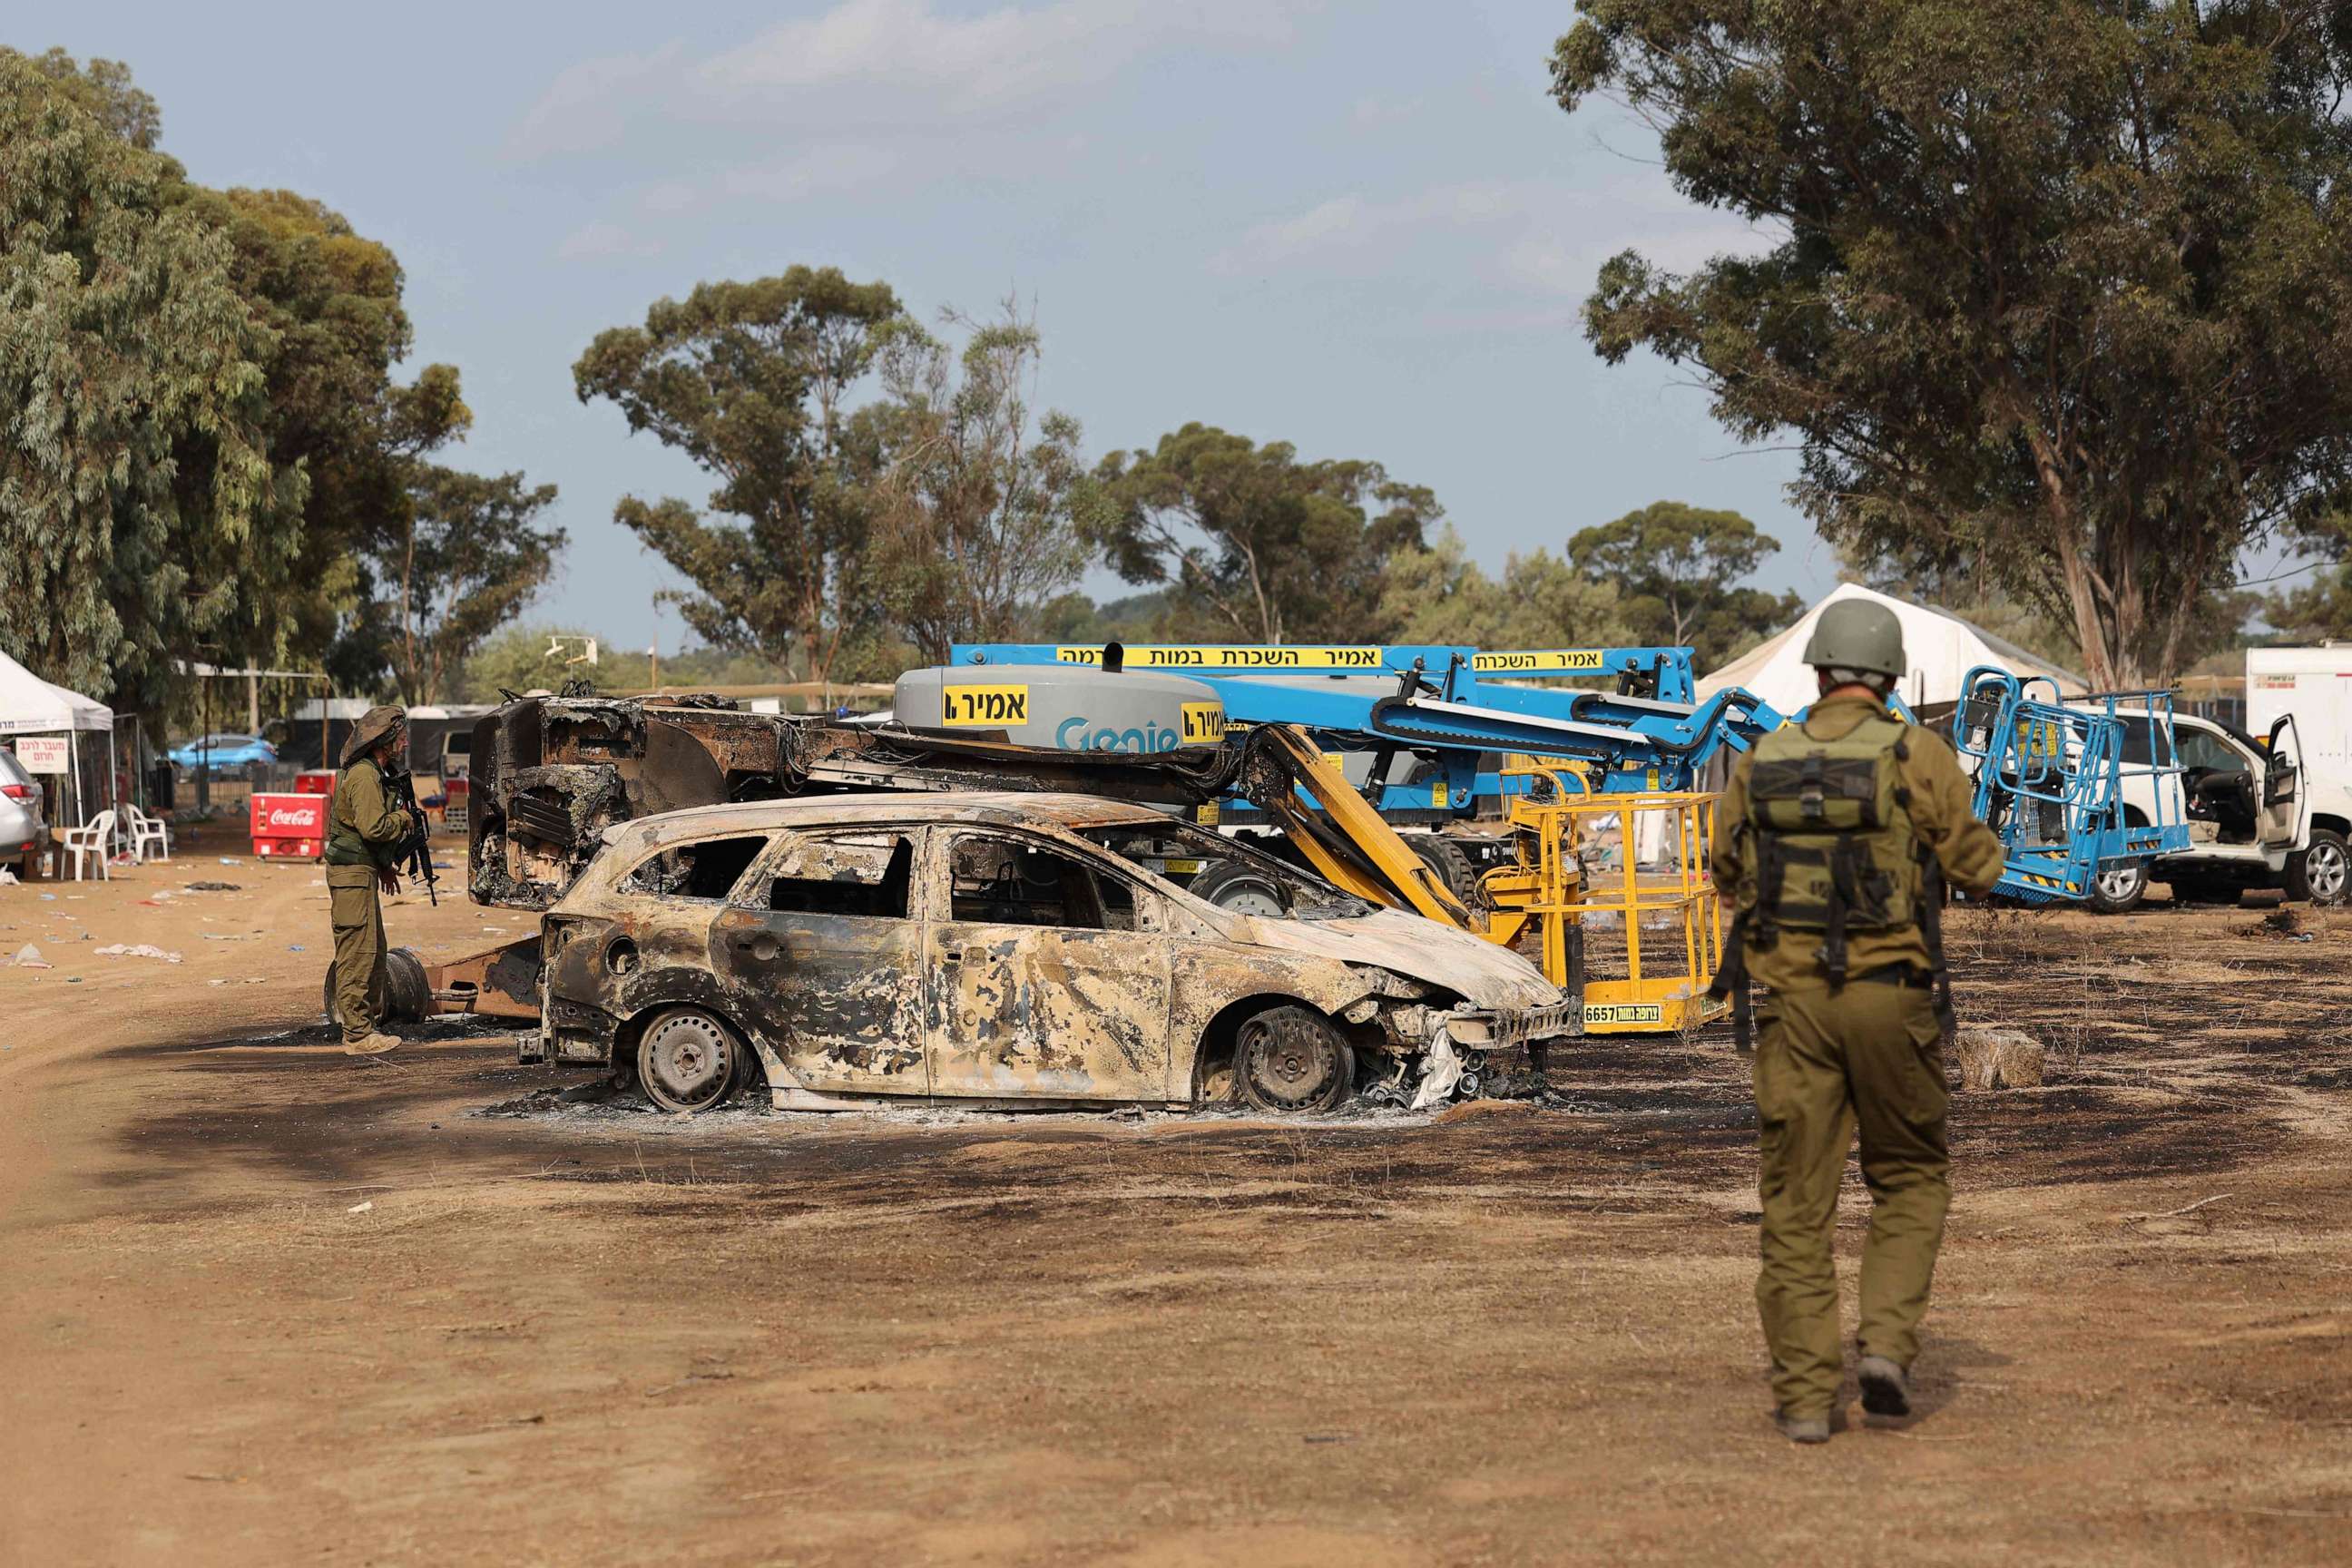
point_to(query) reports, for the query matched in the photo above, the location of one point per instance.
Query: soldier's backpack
(1834, 850)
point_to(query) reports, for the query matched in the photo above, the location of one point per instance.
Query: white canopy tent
(30, 706)
(1939, 648)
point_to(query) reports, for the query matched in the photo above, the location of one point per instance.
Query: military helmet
(373, 726)
(1857, 634)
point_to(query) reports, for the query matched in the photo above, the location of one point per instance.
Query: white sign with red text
(44, 753)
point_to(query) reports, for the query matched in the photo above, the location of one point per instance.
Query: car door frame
(833, 1003)
(2297, 827)
(1053, 1041)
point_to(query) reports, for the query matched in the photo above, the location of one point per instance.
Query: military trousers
(1869, 1057)
(358, 921)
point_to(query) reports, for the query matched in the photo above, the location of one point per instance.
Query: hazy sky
(1361, 227)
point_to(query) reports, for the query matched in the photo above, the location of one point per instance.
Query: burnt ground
(579, 1332)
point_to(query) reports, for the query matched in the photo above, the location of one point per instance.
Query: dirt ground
(263, 1302)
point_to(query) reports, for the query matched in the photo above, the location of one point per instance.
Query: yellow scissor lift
(1541, 895)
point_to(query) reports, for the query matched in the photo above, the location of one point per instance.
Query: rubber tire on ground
(1451, 862)
(2132, 888)
(1234, 881)
(707, 1030)
(2332, 882)
(408, 996)
(1298, 1035)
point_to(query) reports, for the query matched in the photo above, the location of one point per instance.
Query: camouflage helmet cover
(373, 726)
(1857, 634)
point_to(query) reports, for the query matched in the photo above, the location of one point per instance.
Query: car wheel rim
(1288, 1067)
(1249, 898)
(2323, 870)
(2117, 886)
(686, 1062)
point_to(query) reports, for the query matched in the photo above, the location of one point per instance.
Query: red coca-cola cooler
(318, 781)
(290, 827)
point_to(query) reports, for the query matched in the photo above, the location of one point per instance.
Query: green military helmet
(373, 726)
(1857, 634)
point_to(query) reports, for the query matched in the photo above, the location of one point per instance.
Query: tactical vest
(1835, 850)
(344, 846)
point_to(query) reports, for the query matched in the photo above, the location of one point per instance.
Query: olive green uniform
(1829, 1057)
(365, 829)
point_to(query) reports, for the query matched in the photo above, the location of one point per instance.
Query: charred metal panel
(827, 979)
(1068, 1015)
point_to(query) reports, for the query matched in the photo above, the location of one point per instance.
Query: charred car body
(999, 948)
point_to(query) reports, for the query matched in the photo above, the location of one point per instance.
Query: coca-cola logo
(281, 817)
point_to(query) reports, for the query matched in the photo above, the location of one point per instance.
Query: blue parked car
(224, 752)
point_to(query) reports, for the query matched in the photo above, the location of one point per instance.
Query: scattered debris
(1479, 1110)
(2176, 1214)
(30, 957)
(1998, 1059)
(361, 1208)
(215, 887)
(143, 949)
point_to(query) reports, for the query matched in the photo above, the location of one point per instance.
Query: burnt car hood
(1481, 972)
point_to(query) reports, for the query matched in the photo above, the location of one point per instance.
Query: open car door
(2286, 804)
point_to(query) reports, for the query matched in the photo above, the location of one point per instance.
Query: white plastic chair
(94, 837)
(146, 832)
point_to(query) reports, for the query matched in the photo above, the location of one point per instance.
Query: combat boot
(1803, 1429)
(1885, 1387)
(375, 1045)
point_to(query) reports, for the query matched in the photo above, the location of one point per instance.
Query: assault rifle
(415, 851)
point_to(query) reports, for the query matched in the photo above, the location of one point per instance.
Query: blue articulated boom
(2049, 776)
(1428, 700)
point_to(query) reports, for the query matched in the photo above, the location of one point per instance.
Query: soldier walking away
(365, 828)
(1838, 835)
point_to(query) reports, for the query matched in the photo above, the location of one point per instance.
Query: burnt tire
(1237, 886)
(408, 994)
(688, 1060)
(1451, 862)
(2322, 873)
(1291, 1058)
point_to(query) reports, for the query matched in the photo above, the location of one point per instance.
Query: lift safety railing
(2050, 777)
(1671, 904)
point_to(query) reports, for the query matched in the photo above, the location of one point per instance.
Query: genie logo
(1073, 735)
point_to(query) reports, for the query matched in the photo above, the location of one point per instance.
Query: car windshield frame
(1330, 901)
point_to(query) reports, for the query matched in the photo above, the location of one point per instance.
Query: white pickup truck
(2267, 812)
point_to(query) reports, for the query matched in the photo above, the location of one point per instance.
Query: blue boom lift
(1428, 700)
(2050, 779)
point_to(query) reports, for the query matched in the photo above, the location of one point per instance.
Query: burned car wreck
(999, 948)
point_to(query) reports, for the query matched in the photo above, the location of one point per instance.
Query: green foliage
(2063, 291)
(1438, 594)
(1677, 570)
(974, 527)
(1256, 544)
(333, 299)
(215, 366)
(472, 554)
(750, 380)
(141, 519)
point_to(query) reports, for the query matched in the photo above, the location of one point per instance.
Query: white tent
(31, 706)
(1941, 649)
